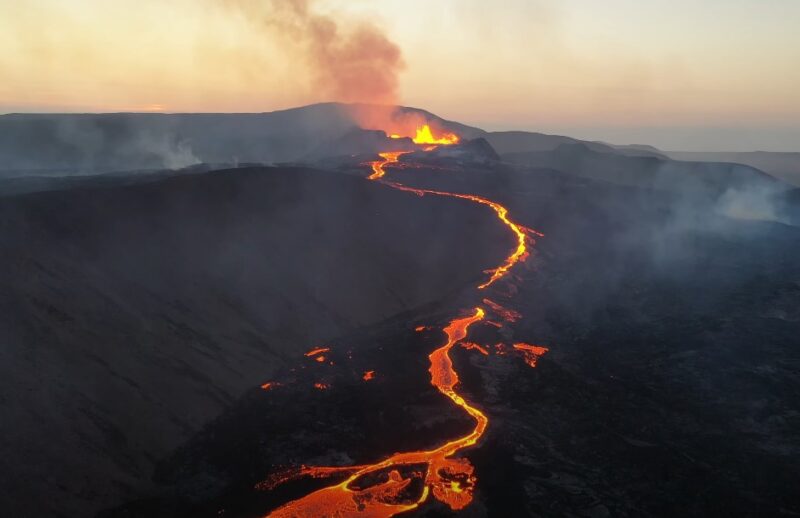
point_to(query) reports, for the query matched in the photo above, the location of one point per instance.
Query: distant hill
(92, 143)
(527, 141)
(505, 142)
(125, 141)
(638, 150)
(646, 171)
(785, 166)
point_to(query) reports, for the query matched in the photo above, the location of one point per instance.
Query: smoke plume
(347, 61)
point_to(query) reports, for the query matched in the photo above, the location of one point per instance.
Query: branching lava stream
(450, 480)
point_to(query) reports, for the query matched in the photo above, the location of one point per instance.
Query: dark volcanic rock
(475, 150)
(361, 142)
(132, 315)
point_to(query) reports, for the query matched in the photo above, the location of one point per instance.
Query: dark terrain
(672, 385)
(133, 315)
(142, 315)
(784, 166)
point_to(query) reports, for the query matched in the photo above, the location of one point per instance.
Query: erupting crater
(424, 135)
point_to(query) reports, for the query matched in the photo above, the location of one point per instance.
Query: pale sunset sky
(679, 74)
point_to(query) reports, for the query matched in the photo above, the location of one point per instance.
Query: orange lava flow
(368, 375)
(281, 477)
(390, 157)
(509, 315)
(521, 232)
(520, 253)
(476, 347)
(318, 350)
(531, 353)
(450, 480)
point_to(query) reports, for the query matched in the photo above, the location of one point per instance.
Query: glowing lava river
(391, 486)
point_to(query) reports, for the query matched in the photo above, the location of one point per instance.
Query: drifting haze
(682, 74)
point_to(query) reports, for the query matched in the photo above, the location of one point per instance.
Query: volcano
(342, 310)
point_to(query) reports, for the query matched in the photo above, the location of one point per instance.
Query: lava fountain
(424, 135)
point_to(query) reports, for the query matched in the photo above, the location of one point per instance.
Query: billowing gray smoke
(70, 144)
(351, 62)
